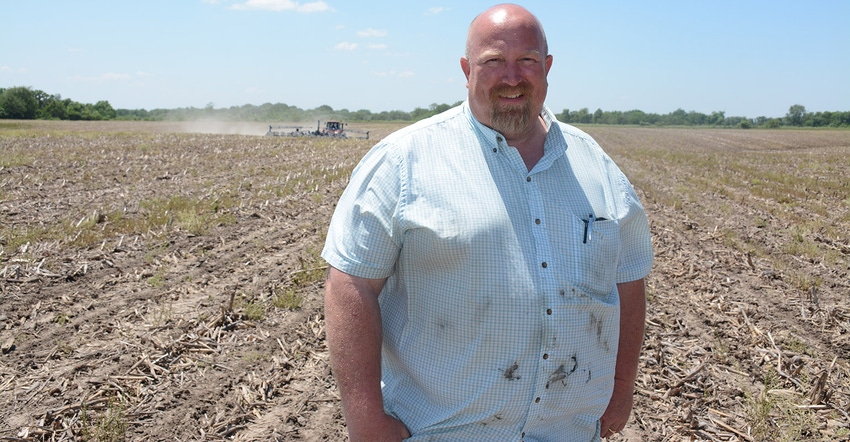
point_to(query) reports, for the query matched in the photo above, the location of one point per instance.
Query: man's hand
(384, 429)
(619, 409)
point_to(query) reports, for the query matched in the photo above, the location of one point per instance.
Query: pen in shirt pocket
(588, 227)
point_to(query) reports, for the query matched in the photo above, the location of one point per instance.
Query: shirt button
(495, 150)
(536, 400)
(545, 355)
(499, 139)
(548, 311)
(528, 178)
(544, 264)
(537, 221)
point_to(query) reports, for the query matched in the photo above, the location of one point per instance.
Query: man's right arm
(353, 320)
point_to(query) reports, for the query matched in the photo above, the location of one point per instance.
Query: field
(164, 282)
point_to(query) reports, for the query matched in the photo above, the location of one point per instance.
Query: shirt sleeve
(362, 238)
(637, 255)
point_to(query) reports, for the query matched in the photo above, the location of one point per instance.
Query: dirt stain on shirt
(510, 372)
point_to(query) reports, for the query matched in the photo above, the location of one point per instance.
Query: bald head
(506, 66)
(506, 17)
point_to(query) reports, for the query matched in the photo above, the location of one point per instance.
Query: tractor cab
(333, 128)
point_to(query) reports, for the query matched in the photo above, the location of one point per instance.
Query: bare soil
(120, 324)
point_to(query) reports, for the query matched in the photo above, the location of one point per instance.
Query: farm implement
(334, 129)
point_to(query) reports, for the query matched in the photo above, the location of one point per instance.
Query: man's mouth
(512, 93)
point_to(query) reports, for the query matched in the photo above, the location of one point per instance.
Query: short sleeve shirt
(500, 311)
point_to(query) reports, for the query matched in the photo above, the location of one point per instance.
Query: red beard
(510, 120)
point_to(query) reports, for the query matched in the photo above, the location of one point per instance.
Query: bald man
(487, 266)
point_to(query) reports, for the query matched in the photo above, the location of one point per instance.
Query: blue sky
(744, 57)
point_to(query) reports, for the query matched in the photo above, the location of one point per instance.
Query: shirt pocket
(597, 254)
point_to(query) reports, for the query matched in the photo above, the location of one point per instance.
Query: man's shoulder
(450, 120)
(571, 131)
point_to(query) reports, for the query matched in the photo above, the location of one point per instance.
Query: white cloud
(283, 5)
(377, 46)
(436, 10)
(115, 76)
(10, 70)
(314, 7)
(345, 46)
(372, 33)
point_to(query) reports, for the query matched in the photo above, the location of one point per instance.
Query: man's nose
(512, 75)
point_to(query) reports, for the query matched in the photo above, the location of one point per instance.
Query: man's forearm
(353, 320)
(632, 318)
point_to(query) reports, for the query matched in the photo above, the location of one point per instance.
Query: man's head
(506, 64)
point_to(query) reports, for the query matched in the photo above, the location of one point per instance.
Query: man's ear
(548, 63)
(464, 66)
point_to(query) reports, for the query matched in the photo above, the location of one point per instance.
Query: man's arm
(353, 320)
(632, 317)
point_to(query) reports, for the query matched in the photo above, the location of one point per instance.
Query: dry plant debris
(160, 283)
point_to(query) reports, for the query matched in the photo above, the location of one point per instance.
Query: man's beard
(511, 121)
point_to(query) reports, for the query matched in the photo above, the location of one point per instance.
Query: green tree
(716, 118)
(74, 110)
(581, 116)
(105, 110)
(53, 109)
(597, 116)
(677, 117)
(772, 123)
(795, 115)
(18, 103)
(325, 109)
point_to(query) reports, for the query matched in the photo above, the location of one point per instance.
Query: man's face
(506, 74)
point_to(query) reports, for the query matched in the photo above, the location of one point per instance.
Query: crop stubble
(143, 268)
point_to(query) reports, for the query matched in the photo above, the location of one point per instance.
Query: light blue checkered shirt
(500, 313)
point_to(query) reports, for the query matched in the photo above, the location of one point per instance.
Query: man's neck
(530, 143)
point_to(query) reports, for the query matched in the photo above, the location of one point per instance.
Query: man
(487, 265)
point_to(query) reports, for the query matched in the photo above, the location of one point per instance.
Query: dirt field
(160, 283)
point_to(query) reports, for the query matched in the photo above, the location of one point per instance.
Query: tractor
(334, 129)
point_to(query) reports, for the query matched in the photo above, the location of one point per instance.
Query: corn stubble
(157, 283)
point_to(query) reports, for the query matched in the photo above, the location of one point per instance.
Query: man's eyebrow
(496, 53)
(490, 54)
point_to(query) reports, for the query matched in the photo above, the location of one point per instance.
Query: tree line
(278, 112)
(796, 116)
(24, 103)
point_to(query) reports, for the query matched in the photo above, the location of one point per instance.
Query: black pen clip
(588, 227)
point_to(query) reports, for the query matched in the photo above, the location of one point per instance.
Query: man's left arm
(632, 317)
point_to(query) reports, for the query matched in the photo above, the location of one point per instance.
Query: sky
(743, 57)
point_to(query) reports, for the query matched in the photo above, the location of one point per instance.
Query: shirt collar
(553, 147)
